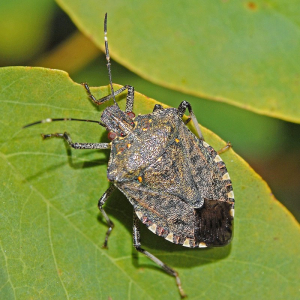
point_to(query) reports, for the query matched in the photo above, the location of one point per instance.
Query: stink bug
(178, 185)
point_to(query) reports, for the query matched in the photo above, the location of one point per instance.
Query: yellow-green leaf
(245, 53)
(51, 231)
(24, 29)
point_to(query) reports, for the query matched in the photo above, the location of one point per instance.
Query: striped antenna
(108, 58)
(61, 119)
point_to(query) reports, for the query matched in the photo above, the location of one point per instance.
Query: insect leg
(101, 202)
(68, 139)
(181, 110)
(137, 246)
(225, 148)
(187, 121)
(157, 107)
(129, 99)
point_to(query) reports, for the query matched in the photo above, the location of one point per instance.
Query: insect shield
(177, 184)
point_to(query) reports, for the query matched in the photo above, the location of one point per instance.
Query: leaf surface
(51, 231)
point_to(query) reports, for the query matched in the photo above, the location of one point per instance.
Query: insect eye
(111, 135)
(131, 114)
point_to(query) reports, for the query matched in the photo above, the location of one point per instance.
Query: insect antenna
(108, 58)
(62, 119)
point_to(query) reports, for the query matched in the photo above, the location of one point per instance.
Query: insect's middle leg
(101, 202)
(181, 110)
(137, 246)
(129, 99)
(68, 139)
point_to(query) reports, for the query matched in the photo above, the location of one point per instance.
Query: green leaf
(245, 53)
(25, 28)
(51, 231)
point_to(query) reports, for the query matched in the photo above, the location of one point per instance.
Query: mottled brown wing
(165, 215)
(178, 222)
(185, 195)
(209, 173)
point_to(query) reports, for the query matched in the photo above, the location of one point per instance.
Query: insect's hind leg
(101, 202)
(181, 110)
(129, 99)
(137, 246)
(68, 139)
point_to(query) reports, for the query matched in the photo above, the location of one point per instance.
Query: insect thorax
(143, 145)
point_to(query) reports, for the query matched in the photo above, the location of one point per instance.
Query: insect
(178, 185)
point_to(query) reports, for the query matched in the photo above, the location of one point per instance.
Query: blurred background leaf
(25, 28)
(51, 231)
(245, 53)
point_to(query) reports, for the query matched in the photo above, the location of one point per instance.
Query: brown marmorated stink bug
(177, 184)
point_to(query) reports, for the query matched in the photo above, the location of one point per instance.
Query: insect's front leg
(157, 107)
(181, 110)
(68, 139)
(137, 246)
(129, 99)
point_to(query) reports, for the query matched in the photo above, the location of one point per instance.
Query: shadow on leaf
(173, 255)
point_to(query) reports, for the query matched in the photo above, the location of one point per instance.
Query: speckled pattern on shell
(178, 185)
